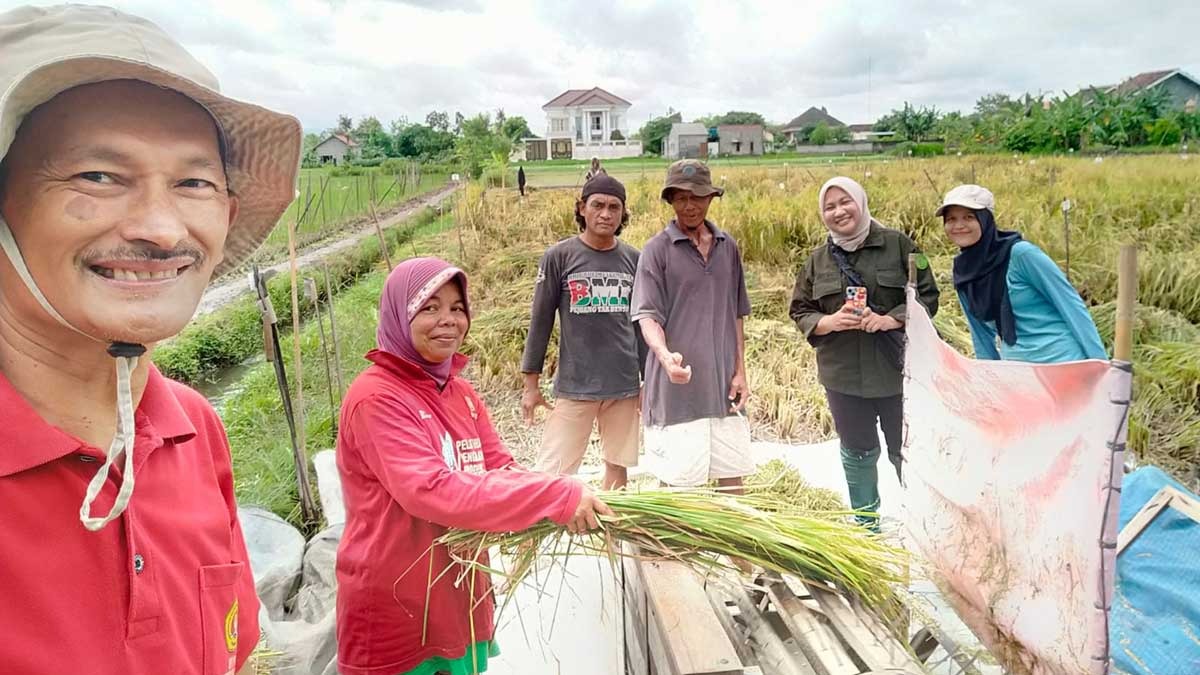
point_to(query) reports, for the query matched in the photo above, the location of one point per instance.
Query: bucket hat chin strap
(126, 355)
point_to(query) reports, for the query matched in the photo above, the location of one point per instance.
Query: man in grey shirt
(690, 301)
(587, 281)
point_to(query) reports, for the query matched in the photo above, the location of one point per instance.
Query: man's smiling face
(117, 197)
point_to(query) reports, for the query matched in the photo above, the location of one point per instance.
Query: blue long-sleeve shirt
(1053, 324)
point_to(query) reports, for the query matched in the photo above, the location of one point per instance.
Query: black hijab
(981, 271)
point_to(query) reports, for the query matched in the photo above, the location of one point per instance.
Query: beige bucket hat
(45, 51)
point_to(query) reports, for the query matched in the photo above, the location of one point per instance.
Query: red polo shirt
(165, 588)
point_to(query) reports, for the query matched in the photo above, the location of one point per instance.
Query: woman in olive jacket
(860, 348)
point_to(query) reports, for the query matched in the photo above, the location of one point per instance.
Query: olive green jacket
(852, 362)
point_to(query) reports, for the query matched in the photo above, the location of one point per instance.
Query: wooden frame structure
(678, 623)
(1167, 497)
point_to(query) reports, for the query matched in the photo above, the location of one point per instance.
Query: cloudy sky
(403, 58)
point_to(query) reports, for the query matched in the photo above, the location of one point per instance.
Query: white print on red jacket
(465, 455)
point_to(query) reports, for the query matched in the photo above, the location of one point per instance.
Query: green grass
(561, 172)
(233, 333)
(335, 203)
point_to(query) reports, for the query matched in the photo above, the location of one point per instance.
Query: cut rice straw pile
(698, 527)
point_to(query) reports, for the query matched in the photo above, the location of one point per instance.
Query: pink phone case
(856, 297)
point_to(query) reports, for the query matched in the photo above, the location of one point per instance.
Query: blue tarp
(1155, 621)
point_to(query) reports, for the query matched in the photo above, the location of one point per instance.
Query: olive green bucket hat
(691, 175)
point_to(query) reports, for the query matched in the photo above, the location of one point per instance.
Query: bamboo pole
(321, 201)
(1126, 300)
(383, 245)
(308, 506)
(310, 292)
(389, 191)
(345, 203)
(324, 208)
(337, 349)
(1066, 211)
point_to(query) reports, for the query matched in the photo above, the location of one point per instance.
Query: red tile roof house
(585, 123)
(337, 148)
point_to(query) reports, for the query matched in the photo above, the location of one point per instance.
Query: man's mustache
(146, 252)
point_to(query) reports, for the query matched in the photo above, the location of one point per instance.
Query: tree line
(1068, 123)
(471, 142)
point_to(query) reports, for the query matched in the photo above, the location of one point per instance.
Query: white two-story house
(585, 123)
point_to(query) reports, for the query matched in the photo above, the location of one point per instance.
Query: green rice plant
(780, 482)
(705, 529)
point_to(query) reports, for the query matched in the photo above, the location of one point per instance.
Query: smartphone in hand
(856, 297)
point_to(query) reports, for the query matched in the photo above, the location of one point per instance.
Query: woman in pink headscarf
(417, 454)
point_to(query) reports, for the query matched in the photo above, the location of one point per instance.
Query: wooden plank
(637, 649)
(871, 641)
(689, 636)
(741, 643)
(820, 646)
(773, 655)
(900, 653)
(1145, 515)
(1167, 497)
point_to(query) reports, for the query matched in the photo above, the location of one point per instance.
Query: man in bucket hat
(689, 297)
(126, 182)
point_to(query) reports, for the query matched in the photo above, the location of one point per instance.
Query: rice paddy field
(498, 238)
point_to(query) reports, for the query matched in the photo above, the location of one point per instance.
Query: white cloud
(393, 58)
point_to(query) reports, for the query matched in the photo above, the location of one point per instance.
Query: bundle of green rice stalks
(264, 659)
(781, 483)
(706, 528)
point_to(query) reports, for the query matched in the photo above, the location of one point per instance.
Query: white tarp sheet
(1011, 475)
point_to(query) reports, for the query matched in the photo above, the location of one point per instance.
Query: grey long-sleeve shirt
(600, 351)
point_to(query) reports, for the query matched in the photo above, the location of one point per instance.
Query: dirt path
(235, 286)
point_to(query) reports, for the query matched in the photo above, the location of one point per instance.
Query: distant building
(337, 149)
(741, 139)
(686, 141)
(585, 123)
(809, 119)
(1183, 89)
(866, 132)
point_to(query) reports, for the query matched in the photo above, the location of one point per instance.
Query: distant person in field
(521, 180)
(690, 300)
(1019, 304)
(417, 454)
(587, 281)
(127, 182)
(860, 339)
(595, 170)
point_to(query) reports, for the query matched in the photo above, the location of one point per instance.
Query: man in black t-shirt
(587, 281)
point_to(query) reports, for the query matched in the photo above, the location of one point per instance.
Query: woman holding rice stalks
(1011, 290)
(417, 454)
(849, 302)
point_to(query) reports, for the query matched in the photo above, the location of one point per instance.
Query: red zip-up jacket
(415, 460)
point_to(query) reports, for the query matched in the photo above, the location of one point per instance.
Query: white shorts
(692, 453)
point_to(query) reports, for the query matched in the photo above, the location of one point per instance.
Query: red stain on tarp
(1004, 415)
(1047, 486)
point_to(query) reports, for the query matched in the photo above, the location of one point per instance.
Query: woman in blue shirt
(1009, 288)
